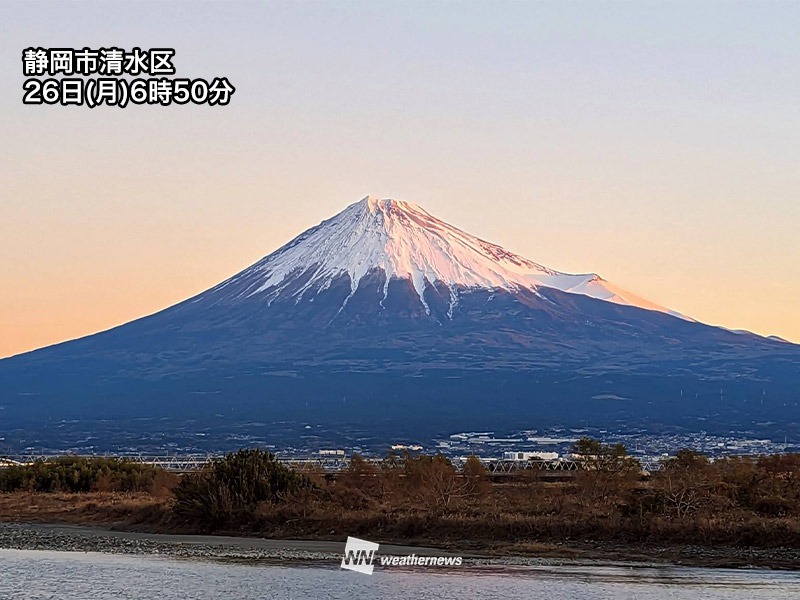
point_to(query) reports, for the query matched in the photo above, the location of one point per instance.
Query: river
(35, 575)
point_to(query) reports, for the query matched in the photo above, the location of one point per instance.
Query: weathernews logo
(359, 555)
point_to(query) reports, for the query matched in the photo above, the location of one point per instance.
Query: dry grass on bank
(736, 502)
(87, 508)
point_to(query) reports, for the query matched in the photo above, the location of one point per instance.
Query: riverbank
(77, 538)
(736, 512)
(83, 538)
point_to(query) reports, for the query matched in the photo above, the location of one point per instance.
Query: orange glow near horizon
(105, 276)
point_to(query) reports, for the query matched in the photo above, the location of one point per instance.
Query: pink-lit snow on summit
(406, 242)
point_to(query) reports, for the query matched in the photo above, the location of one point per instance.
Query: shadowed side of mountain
(347, 357)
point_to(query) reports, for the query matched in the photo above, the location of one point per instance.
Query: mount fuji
(387, 319)
(399, 240)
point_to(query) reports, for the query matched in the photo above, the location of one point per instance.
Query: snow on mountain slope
(595, 286)
(405, 241)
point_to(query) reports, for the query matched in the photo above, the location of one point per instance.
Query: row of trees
(78, 474)
(690, 484)
(611, 486)
(239, 486)
(732, 500)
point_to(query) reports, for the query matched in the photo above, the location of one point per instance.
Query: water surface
(29, 575)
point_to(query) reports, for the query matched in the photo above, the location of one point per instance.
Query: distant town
(305, 441)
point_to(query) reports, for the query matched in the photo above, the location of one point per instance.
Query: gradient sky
(657, 144)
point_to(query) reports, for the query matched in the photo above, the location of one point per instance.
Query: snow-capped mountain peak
(406, 242)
